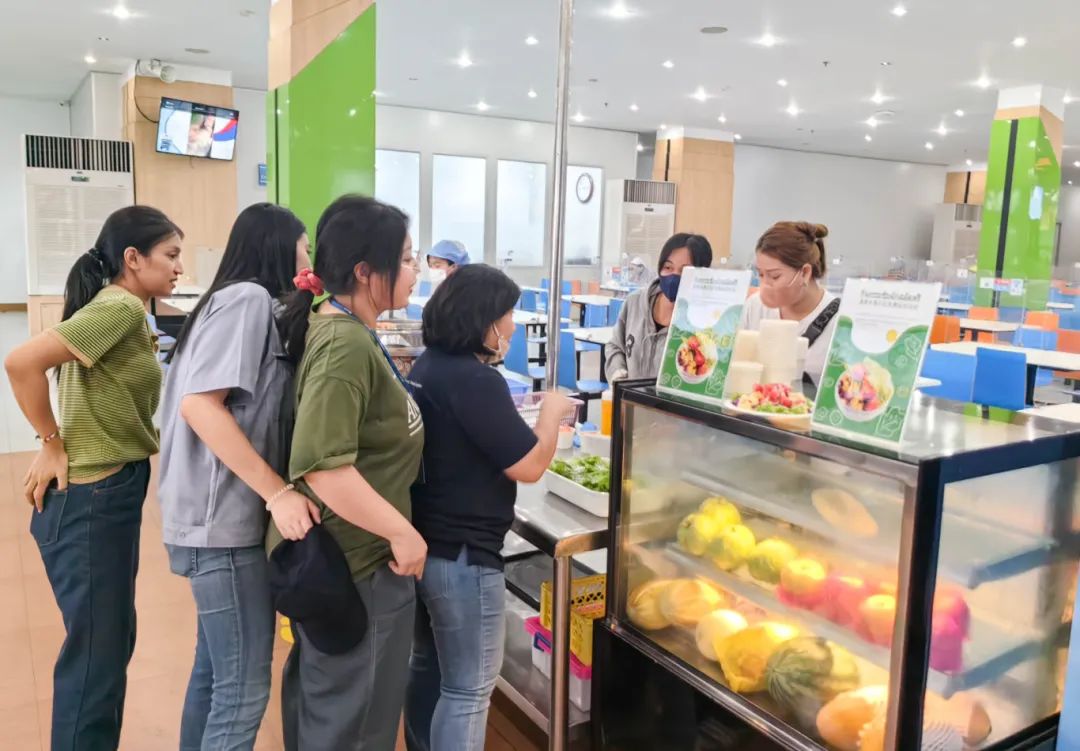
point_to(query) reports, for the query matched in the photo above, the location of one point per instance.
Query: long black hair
(463, 309)
(698, 245)
(354, 229)
(138, 227)
(261, 249)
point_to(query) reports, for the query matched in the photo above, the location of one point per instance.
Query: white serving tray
(595, 502)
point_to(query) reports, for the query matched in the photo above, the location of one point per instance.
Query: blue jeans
(230, 680)
(88, 536)
(456, 656)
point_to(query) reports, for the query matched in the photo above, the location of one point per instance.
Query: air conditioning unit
(957, 228)
(72, 185)
(639, 217)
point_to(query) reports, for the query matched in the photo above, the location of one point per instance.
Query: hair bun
(819, 231)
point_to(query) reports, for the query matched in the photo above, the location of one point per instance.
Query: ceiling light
(618, 10)
(700, 94)
(941, 130)
(968, 162)
(532, 93)
(714, 30)
(782, 83)
(899, 10)
(768, 40)
(1019, 42)
(868, 138)
(89, 59)
(793, 109)
(878, 97)
(668, 64)
(929, 146)
(464, 61)
(640, 148)
(579, 118)
(872, 121)
(483, 106)
(531, 40)
(197, 50)
(722, 119)
(738, 137)
(983, 82)
(958, 113)
(121, 13)
(663, 126)
(634, 108)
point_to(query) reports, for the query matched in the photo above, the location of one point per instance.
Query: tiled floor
(31, 633)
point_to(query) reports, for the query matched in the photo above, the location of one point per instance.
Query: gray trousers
(353, 701)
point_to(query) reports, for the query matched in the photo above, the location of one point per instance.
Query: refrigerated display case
(843, 597)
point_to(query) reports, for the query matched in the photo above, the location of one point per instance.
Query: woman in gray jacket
(637, 341)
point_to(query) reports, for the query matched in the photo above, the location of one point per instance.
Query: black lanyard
(406, 384)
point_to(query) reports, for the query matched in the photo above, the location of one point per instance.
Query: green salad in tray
(591, 472)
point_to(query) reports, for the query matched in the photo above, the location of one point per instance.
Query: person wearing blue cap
(444, 259)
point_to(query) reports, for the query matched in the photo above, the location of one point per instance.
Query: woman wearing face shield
(637, 341)
(476, 449)
(790, 261)
(444, 259)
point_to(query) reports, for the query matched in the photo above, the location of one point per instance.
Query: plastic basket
(528, 406)
(588, 598)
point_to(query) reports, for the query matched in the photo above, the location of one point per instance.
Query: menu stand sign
(882, 331)
(708, 310)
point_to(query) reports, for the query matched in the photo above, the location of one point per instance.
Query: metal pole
(558, 212)
(559, 719)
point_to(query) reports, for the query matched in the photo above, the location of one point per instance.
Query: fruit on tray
(949, 603)
(643, 605)
(684, 602)
(732, 547)
(769, 558)
(844, 593)
(879, 614)
(802, 582)
(843, 511)
(716, 626)
(808, 671)
(696, 531)
(744, 656)
(946, 645)
(774, 398)
(841, 721)
(722, 510)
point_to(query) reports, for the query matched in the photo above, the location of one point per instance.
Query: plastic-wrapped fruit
(714, 627)
(878, 615)
(643, 605)
(732, 547)
(695, 533)
(745, 655)
(769, 558)
(843, 596)
(686, 601)
(806, 672)
(722, 510)
(802, 582)
(841, 721)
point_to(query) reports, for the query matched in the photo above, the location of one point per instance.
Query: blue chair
(1069, 319)
(595, 317)
(1036, 338)
(425, 289)
(517, 358)
(567, 287)
(527, 301)
(568, 372)
(545, 283)
(542, 302)
(414, 312)
(960, 294)
(614, 308)
(1011, 315)
(1000, 379)
(956, 373)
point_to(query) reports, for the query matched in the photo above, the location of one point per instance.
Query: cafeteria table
(599, 335)
(1036, 358)
(977, 325)
(954, 307)
(1060, 306)
(1068, 412)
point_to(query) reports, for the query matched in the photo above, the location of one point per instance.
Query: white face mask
(437, 277)
(502, 346)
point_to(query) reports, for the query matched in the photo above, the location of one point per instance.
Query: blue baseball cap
(452, 251)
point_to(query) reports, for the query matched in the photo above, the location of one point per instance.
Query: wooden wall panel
(977, 189)
(198, 194)
(957, 185)
(44, 311)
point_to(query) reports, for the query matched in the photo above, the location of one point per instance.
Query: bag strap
(818, 325)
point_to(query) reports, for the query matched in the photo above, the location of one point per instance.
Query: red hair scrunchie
(308, 282)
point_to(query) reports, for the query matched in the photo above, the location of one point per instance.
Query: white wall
(18, 117)
(81, 110)
(430, 132)
(108, 106)
(250, 145)
(874, 209)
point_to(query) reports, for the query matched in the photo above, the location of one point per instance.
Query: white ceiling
(937, 51)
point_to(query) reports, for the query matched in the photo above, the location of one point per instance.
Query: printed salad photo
(864, 390)
(696, 357)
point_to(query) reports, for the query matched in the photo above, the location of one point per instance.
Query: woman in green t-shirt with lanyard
(356, 450)
(88, 481)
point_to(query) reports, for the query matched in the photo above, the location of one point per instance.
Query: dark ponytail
(354, 229)
(139, 227)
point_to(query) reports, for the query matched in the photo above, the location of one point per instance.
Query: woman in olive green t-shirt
(88, 481)
(356, 451)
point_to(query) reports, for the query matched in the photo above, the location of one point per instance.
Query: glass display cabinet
(841, 597)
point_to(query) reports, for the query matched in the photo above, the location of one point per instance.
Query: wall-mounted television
(199, 130)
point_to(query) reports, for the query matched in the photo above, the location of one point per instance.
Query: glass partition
(397, 182)
(458, 193)
(520, 218)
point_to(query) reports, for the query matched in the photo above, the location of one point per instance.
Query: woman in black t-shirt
(476, 449)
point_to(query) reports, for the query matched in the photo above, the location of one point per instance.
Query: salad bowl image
(864, 390)
(696, 357)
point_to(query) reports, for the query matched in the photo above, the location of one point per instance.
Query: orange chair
(946, 329)
(594, 288)
(1069, 341)
(575, 287)
(984, 314)
(1043, 319)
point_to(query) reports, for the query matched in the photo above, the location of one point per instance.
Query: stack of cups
(778, 351)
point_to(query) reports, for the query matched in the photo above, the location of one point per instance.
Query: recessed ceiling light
(714, 30)
(531, 40)
(700, 94)
(197, 50)
(868, 138)
(1019, 42)
(983, 82)
(941, 130)
(793, 109)
(768, 40)
(879, 98)
(618, 10)
(968, 162)
(929, 146)
(464, 61)
(958, 113)
(899, 10)
(640, 147)
(634, 108)
(782, 83)
(578, 117)
(89, 59)
(872, 121)
(532, 93)
(121, 13)
(668, 64)
(483, 106)
(738, 137)
(722, 119)
(885, 63)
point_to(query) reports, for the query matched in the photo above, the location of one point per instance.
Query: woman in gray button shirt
(224, 446)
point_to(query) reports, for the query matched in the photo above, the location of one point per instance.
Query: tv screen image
(199, 130)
